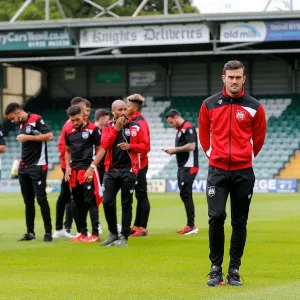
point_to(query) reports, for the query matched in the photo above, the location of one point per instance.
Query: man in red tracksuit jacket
(134, 107)
(122, 140)
(232, 129)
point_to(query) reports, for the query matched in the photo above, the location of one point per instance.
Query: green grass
(162, 266)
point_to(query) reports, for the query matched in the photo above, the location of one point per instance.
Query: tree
(81, 9)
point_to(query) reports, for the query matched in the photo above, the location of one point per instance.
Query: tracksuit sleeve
(41, 126)
(62, 142)
(259, 130)
(142, 145)
(67, 141)
(108, 136)
(96, 137)
(204, 127)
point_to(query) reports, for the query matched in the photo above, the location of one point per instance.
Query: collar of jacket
(239, 95)
(135, 115)
(181, 125)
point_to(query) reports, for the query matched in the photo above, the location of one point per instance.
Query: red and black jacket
(137, 117)
(231, 130)
(62, 143)
(133, 134)
(34, 153)
(83, 142)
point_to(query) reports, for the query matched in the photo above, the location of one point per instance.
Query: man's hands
(124, 146)
(22, 138)
(170, 151)
(68, 173)
(121, 122)
(88, 175)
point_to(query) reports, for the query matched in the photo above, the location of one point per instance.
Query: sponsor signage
(144, 35)
(161, 186)
(156, 185)
(31, 40)
(261, 185)
(198, 186)
(13, 186)
(276, 185)
(260, 31)
(142, 78)
(109, 77)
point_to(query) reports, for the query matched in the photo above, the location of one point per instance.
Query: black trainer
(48, 237)
(233, 278)
(215, 276)
(121, 242)
(27, 237)
(110, 240)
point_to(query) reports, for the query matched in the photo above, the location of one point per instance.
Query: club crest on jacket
(85, 134)
(240, 115)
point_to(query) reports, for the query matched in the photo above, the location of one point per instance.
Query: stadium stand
(282, 142)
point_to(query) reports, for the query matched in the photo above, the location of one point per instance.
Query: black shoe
(233, 278)
(215, 276)
(121, 242)
(110, 240)
(48, 237)
(27, 237)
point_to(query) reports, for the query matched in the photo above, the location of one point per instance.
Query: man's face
(102, 121)
(130, 109)
(15, 117)
(173, 122)
(88, 111)
(119, 110)
(234, 80)
(77, 120)
(85, 114)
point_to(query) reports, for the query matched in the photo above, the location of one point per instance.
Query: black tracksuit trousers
(185, 184)
(33, 184)
(113, 182)
(141, 194)
(239, 184)
(85, 201)
(64, 203)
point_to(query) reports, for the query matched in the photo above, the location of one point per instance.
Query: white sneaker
(100, 231)
(62, 234)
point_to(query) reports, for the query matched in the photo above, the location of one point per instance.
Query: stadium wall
(172, 79)
(161, 186)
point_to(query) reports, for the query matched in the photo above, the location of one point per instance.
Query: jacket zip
(229, 161)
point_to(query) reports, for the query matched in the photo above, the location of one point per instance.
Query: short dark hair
(74, 110)
(99, 113)
(87, 103)
(172, 113)
(77, 101)
(12, 107)
(234, 65)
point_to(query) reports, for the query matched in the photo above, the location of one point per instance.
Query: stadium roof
(144, 20)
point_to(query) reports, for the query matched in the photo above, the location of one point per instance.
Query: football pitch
(164, 265)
